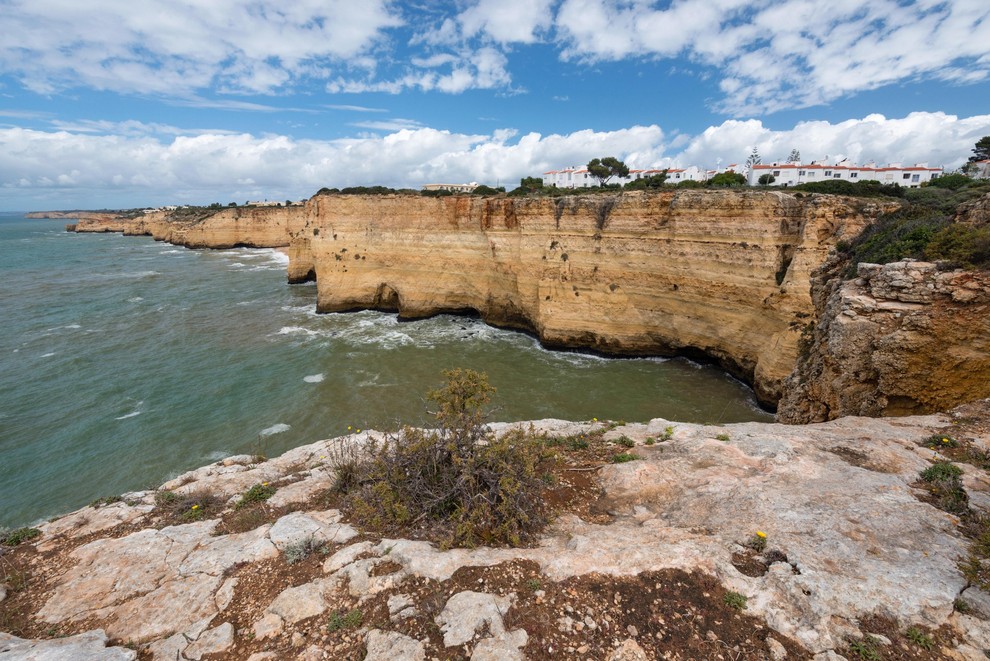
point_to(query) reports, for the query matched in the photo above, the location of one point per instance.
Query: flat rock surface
(848, 537)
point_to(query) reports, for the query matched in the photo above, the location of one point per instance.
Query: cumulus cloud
(73, 169)
(789, 53)
(176, 47)
(763, 57)
(484, 68)
(508, 21)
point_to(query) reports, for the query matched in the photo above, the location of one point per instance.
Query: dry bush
(467, 485)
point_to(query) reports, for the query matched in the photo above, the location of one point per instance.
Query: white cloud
(789, 53)
(74, 169)
(507, 21)
(176, 47)
(484, 68)
(396, 124)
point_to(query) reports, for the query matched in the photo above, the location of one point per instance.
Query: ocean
(124, 362)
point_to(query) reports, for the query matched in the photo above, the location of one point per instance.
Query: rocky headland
(748, 279)
(849, 538)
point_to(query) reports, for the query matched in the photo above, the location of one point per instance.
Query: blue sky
(119, 103)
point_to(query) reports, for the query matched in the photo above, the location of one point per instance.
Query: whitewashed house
(453, 188)
(791, 174)
(575, 177)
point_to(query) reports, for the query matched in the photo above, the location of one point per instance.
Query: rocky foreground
(660, 558)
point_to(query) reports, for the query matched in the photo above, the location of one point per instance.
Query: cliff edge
(742, 278)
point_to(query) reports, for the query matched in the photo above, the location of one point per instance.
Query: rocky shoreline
(648, 569)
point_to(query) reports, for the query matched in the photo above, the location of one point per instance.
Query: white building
(791, 174)
(575, 177)
(453, 188)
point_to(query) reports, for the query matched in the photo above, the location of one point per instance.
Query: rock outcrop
(848, 533)
(901, 338)
(737, 277)
(721, 275)
(717, 274)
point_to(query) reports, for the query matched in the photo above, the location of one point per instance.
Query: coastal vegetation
(477, 488)
(924, 228)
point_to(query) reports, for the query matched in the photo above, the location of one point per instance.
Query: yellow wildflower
(195, 507)
(761, 534)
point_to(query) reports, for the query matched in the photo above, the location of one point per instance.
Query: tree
(766, 179)
(795, 156)
(652, 182)
(606, 168)
(531, 184)
(754, 159)
(727, 179)
(981, 152)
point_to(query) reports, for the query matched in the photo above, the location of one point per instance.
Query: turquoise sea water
(124, 361)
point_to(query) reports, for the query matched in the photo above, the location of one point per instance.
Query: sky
(127, 103)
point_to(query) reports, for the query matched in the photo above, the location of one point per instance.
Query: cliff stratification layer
(717, 274)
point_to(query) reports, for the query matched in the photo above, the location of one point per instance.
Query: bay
(124, 362)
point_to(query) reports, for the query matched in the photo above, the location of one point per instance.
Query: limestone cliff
(902, 338)
(717, 274)
(722, 275)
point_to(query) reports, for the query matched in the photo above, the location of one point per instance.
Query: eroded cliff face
(900, 339)
(714, 273)
(723, 275)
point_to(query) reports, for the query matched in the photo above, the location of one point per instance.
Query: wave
(295, 330)
(275, 429)
(133, 414)
(314, 378)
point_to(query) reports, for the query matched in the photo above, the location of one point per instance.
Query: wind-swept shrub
(469, 486)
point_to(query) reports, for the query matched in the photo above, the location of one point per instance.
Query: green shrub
(945, 485)
(668, 433)
(624, 457)
(349, 620)
(625, 442)
(919, 638)
(722, 437)
(735, 600)
(866, 649)
(938, 441)
(857, 189)
(953, 181)
(941, 470)
(468, 485)
(961, 245)
(897, 235)
(256, 494)
(15, 537)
